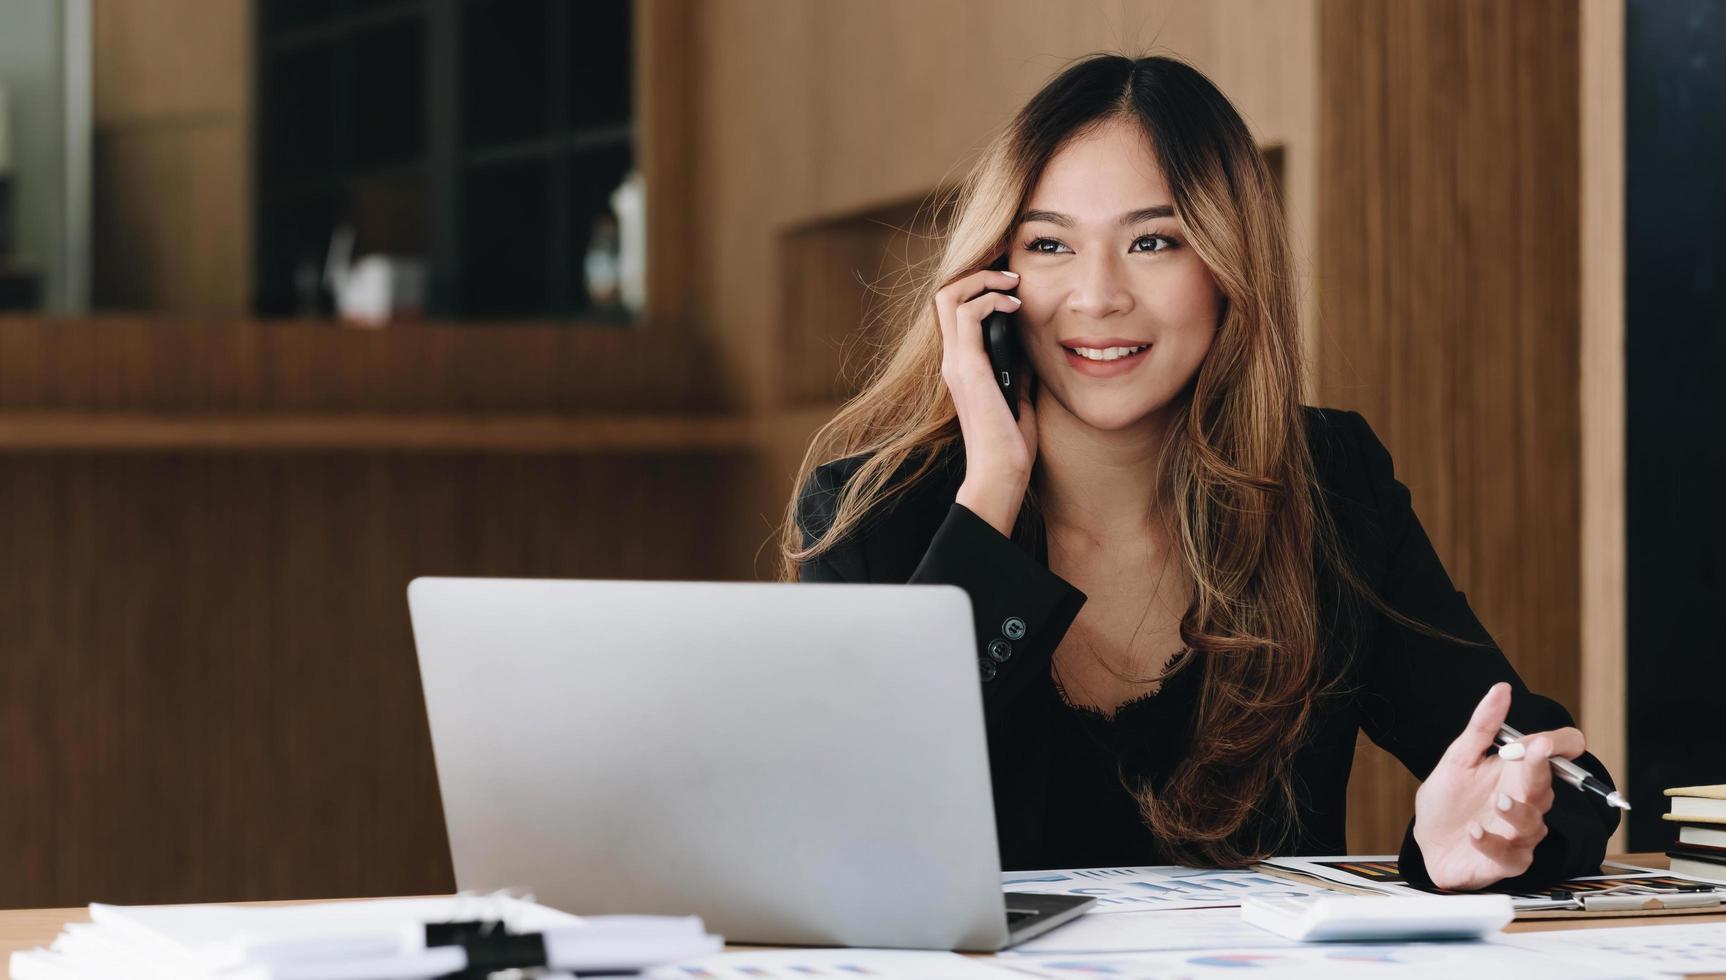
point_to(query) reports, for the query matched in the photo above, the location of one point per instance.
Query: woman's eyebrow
(1130, 218)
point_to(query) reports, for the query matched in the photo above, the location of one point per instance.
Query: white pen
(1566, 770)
(1620, 903)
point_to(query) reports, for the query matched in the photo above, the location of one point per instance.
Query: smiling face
(1133, 294)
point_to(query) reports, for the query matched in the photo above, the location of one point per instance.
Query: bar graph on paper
(1158, 887)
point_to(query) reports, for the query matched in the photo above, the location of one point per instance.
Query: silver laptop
(796, 763)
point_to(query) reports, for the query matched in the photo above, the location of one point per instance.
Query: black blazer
(1412, 693)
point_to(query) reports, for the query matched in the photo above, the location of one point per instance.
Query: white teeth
(1107, 353)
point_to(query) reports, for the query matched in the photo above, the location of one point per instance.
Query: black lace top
(1091, 818)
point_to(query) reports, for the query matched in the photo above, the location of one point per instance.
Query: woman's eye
(1036, 244)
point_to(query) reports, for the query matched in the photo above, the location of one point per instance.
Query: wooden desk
(29, 928)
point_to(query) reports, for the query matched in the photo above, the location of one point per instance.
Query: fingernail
(1513, 751)
(1014, 298)
(1503, 802)
(1474, 830)
(1015, 275)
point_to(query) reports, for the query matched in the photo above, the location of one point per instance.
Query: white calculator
(1370, 918)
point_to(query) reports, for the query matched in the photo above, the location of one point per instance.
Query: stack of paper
(1614, 886)
(394, 939)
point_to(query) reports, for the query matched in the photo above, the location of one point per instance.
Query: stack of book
(1700, 812)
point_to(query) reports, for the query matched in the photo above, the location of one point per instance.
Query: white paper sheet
(1324, 961)
(1673, 949)
(1161, 887)
(221, 935)
(1133, 932)
(834, 964)
(353, 940)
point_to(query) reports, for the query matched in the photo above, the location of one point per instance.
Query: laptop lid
(795, 763)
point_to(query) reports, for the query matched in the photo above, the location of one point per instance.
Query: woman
(1190, 591)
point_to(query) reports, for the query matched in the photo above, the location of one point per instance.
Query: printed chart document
(1379, 873)
(1160, 887)
(839, 964)
(1681, 948)
(1323, 961)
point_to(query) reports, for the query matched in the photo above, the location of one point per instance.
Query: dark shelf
(621, 135)
(481, 136)
(293, 24)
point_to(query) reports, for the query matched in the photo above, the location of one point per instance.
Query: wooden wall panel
(168, 59)
(146, 364)
(172, 217)
(172, 165)
(1604, 600)
(838, 276)
(1448, 259)
(668, 60)
(209, 687)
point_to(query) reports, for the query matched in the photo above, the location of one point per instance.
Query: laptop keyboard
(1036, 913)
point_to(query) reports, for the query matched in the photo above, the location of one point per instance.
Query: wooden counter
(207, 528)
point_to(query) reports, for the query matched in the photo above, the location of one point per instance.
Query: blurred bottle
(629, 203)
(373, 290)
(601, 263)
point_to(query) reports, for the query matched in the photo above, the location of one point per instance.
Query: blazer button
(987, 669)
(1013, 628)
(1000, 650)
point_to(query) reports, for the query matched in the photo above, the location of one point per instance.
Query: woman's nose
(1099, 289)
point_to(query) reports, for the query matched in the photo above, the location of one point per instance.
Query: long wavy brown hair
(1237, 475)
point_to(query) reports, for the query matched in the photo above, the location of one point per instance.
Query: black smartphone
(1001, 340)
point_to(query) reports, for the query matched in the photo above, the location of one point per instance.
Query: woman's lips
(1104, 369)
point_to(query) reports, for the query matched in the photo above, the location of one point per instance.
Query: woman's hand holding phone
(999, 450)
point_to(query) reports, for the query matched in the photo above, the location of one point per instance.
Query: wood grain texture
(155, 60)
(837, 276)
(208, 683)
(134, 432)
(667, 68)
(173, 218)
(153, 364)
(172, 167)
(1448, 260)
(209, 687)
(1604, 599)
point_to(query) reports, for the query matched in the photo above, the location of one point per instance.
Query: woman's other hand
(1477, 817)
